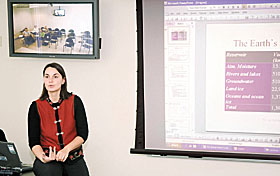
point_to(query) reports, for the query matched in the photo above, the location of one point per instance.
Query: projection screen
(209, 78)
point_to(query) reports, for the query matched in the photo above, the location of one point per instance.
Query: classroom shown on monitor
(53, 28)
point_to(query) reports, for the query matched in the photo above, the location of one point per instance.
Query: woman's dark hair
(64, 94)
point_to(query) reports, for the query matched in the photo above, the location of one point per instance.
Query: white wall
(25, 19)
(108, 89)
(77, 17)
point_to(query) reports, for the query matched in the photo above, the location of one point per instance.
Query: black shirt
(2, 136)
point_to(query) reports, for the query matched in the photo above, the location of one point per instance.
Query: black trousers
(55, 168)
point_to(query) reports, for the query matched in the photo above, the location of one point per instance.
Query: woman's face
(53, 80)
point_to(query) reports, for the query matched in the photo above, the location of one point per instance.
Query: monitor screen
(39, 28)
(59, 12)
(211, 78)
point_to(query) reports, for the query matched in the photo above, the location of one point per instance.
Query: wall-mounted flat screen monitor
(54, 28)
(209, 78)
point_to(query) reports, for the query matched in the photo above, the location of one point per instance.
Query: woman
(28, 37)
(57, 127)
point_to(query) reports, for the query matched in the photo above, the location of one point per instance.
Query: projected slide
(242, 78)
(252, 81)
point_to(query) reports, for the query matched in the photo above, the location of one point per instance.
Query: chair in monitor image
(46, 39)
(57, 32)
(71, 30)
(63, 33)
(53, 40)
(69, 43)
(72, 35)
(88, 44)
(84, 39)
(86, 33)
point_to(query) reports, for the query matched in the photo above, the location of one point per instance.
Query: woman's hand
(51, 157)
(62, 155)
